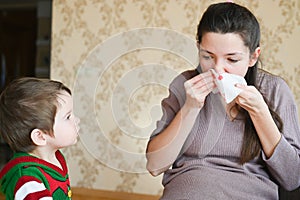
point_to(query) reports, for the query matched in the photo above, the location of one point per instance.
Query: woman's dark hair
(232, 18)
(27, 104)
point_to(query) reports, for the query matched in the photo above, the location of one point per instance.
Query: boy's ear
(38, 137)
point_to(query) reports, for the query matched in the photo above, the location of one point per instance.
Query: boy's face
(66, 124)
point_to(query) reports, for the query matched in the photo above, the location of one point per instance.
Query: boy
(37, 120)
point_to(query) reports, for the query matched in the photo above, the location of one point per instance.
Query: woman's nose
(219, 67)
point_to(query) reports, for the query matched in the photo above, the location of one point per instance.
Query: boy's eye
(69, 116)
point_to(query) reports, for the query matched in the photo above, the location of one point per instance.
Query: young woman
(248, 149)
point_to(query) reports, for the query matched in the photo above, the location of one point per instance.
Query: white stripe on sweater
(29, 188)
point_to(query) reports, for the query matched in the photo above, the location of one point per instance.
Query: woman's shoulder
(267, 79)
(188, 74)
(184, 76)
(268, 75)
(274, 87)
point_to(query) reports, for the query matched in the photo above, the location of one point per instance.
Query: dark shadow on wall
(25, 34)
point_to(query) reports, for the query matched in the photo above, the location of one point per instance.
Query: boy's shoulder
(19, 161)
(20, 166)
(25, 167)
(26, 161)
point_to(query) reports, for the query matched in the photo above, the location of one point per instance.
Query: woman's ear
(38, 137)
(198, 45)
(254, 57)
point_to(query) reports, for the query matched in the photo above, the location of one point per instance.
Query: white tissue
(226, 85)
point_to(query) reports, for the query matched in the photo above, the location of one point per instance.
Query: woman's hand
(197, 88)
(267, 131)
(251, 100)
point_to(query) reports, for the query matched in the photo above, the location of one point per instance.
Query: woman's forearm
(267, 131)
(164, 148)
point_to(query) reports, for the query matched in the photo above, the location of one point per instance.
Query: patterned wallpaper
(119, 56)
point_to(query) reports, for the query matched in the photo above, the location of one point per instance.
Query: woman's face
(225, 53)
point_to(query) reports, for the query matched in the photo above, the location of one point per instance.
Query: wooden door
(18, 30)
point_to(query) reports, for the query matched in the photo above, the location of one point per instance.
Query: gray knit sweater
(215, 174)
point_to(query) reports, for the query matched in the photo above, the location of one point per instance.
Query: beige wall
(119, 56)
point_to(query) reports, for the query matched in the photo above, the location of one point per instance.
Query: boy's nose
(77, 120)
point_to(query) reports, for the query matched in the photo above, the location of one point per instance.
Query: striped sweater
(28, 177)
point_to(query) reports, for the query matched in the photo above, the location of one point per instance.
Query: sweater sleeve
(172, 104)
(29, 187)
(284, 164)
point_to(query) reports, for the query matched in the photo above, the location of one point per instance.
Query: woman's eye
(206, 57)
(232, 60)
(69, 116)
